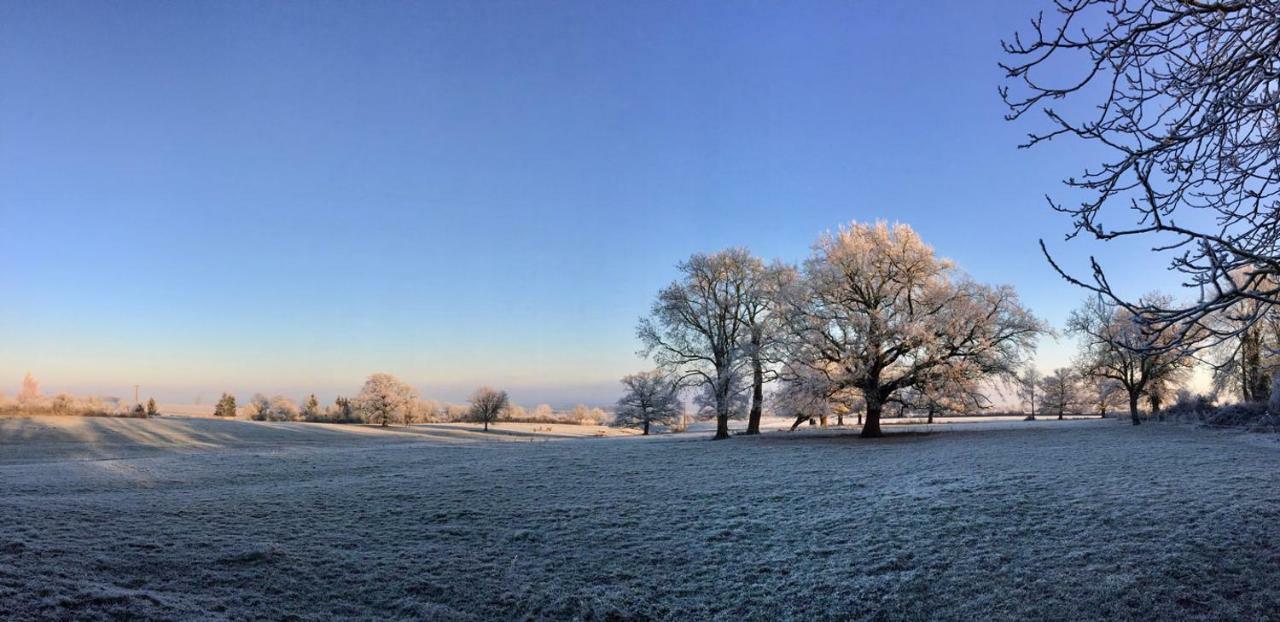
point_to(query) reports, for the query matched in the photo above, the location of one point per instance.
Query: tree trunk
(1273, 405)
(799, 420)
(840, 419)
(722, 410)
(871, 429)
(757, 395)
(646, 427)
(722, 426)
(1059, 415)
(822, 421)
(1133, 408)
(486, 425)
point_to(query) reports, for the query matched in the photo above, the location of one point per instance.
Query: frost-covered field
(207, 519)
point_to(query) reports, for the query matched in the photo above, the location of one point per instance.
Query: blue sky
(286, 197)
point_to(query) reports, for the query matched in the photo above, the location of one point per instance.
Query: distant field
(207, 519)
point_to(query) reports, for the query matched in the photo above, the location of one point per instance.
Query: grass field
(205, 519)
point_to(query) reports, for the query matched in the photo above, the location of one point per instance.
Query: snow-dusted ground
(206, 519)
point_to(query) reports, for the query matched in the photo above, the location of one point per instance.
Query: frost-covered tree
(260, 407)
(695, 329)
(430, 410)
(803, 395)
(384, 398)
(875, 310)
(947, 392)
(1245, 353)
(651, 398)
(487, 404)
(1028, 382)
(761, 320)
(1060, 392)
(343, 410)
(283, 409)
(543, 412)
(311, 408)
(226, 406)
(1179, 97)
(1117, 345)
(1103, 394)
(151, 407)
(30, 389)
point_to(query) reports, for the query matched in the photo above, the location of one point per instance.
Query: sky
(286, 197)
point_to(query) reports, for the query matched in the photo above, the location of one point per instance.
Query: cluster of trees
(1179, 100)
(872, 319)
(386, 400)
(30, 401)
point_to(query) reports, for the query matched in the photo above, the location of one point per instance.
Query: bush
(1190, 407)
(1251, 415)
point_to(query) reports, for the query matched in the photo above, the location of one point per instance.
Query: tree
(151, 407)
(487, 405)
(311, 408)
(695, 329)
(1028, 384)
(761, 320)
(30, 389)
(283, 409)
(651, 398)
(1060, 391)
(226, 406)
(947, 392)
(543, 413)
(1103, 393)
(1179, 96)
(1117, 345)
(1247, 356)
(877, 311)
(384, 399)
(344, 411)
(260, 407)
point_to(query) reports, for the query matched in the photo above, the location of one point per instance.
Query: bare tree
(760, 316)
(804, 394)
(1182, 98)
(260, 407)
(384, 399)
(877, 311)
(1118, 346)
(1028, 384)
(651, 398)
(1060, 392)
(487, 404)
(947, 392)
(1245, 362)
(1102, 393)
(695, 329)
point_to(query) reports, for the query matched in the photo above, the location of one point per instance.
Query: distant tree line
(385, 400)
(31, 401)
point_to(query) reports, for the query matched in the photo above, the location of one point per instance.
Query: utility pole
(135, 394)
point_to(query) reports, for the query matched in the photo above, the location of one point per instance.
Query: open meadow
(177, 518)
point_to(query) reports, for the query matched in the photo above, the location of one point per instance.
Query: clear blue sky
(288, 196)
